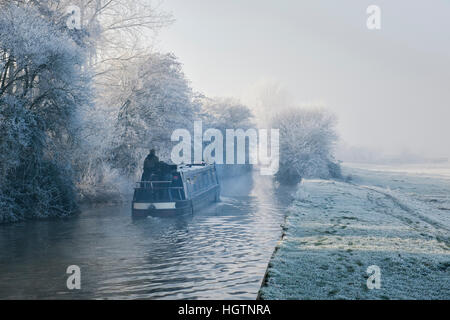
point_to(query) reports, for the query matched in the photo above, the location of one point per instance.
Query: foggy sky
(388, 87)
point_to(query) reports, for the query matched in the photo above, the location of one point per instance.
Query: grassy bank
(335, 231)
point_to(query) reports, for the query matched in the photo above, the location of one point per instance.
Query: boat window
(206, 178)
(203, 181)
(189, 185)
(200, 181)
(207, 183)
(196, 183)
(210, 178)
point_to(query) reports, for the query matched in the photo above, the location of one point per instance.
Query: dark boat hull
(181, 207)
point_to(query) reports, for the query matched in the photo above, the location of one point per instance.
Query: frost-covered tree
(42, 83)
(223, 114)
(307, 138)
(159, 101)
(114, 36)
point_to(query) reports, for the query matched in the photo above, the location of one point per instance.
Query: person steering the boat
(151, 164)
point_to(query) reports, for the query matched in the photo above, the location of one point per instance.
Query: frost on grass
(335, 230)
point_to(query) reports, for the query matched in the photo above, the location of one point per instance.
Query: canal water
(220, 252)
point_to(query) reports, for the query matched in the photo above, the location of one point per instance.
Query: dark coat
(151, 164)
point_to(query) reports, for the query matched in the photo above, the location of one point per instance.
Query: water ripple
(220, 252)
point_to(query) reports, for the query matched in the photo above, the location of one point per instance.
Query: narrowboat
(184, 189)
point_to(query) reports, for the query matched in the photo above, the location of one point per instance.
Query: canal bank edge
(277, 247)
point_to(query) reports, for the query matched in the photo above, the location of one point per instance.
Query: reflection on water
(220, 252)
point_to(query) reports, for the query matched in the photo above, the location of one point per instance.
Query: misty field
(398, 220)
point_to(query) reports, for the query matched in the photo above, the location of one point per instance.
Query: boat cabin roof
(194, 167)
